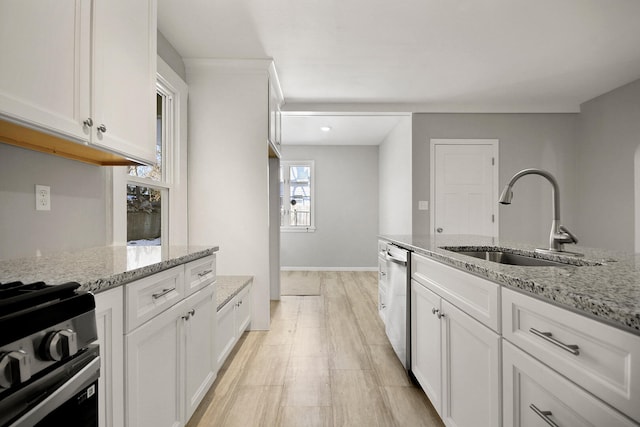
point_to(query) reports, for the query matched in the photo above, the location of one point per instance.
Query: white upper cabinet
(83, 70)
(45, 74)
(124, 78)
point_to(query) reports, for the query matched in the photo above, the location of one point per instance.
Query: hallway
(325, 362)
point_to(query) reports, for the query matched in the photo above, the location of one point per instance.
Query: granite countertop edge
(609, 292)
(100, 268)
(120, 279)
(227, 287)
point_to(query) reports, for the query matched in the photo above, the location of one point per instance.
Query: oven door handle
(83, 378)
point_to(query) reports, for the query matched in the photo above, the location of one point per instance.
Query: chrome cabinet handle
(544, 415)
(163, 293)
(437, 313)
(88, 123)
(102, 128)
(439, 230)
(548, 336)
(204, 273)
(189, 314)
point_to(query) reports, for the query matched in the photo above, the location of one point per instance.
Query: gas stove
(46, 339)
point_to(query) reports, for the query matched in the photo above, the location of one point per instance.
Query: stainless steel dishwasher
(397, 324)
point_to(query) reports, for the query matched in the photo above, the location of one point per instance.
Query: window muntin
(296, 196)
(148, 186)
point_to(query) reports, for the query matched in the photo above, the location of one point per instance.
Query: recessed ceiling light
(325, 128)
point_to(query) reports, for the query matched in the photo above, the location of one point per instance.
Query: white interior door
(464, 187)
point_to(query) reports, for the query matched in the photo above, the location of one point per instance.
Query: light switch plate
(43, 198)
(423, 205)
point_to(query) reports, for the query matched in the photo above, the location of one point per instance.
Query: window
(148, 186)
(296, 196)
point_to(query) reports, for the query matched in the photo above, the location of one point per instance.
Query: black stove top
(17, 296)
(26, 308)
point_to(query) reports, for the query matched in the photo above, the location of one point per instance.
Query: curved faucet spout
(559, 234)
(507, 193)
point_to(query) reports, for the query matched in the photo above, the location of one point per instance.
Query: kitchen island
(606, 287)
(545, 337)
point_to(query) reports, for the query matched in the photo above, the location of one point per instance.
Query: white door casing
(464, 186)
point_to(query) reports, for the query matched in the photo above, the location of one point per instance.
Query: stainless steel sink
(511, 259)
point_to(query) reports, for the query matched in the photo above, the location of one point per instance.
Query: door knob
(439, 229)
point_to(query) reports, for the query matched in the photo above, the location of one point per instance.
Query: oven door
(68, 396)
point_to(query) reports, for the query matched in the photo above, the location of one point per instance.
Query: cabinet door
(471, 371)
(243, 311)
(109, 314)
(426, 342)
(124, 83)
(154, 385)
(45, 51)
(200, 361)
(535, 395)
(225, 331)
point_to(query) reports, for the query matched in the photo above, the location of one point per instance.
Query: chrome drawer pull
(204, 273)
(547, 336)
(163, 293)
(544, 415)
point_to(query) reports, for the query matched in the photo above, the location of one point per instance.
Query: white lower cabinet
(169, 359)
(233, 319)
(470, 369)
(382, 280)
(200, 366)
(456, 361)
(535, 395)
(154, 363)
(455, 357)
(109, 322)
(426, 343)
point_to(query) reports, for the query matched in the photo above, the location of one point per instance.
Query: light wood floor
(325, 362)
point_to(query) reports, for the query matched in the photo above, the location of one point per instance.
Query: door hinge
(493, 161)
(493, 218)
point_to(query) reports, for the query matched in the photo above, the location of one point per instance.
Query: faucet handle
(570, 234)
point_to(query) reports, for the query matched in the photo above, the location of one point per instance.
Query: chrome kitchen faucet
(559, 234)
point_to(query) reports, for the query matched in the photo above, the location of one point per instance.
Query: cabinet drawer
(533, 392)
(476, 296)
(199, 273)
(146, 298)
(602, 359)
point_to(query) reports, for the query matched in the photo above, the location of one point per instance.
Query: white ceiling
(421, 55)
(352, 129)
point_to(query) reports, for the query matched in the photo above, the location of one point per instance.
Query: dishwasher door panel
(396, 316)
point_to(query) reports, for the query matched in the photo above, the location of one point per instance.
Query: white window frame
(174, 170)
(312, 209)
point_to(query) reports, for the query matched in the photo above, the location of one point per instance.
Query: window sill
(297, 229)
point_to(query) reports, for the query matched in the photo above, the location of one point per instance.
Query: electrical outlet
(43, 198)
(423, 205)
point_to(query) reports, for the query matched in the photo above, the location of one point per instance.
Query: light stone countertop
(101, 268)
(607, 290)
(228, 287)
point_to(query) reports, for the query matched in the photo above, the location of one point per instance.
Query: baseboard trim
(329, 268)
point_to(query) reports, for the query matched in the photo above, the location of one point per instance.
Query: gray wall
(78, 208)
(346, 191)
(609, 135)
(545, 141)
(395, 181)
(170, 55)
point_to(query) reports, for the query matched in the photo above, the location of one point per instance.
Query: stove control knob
(61, 344)
(15, 368)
